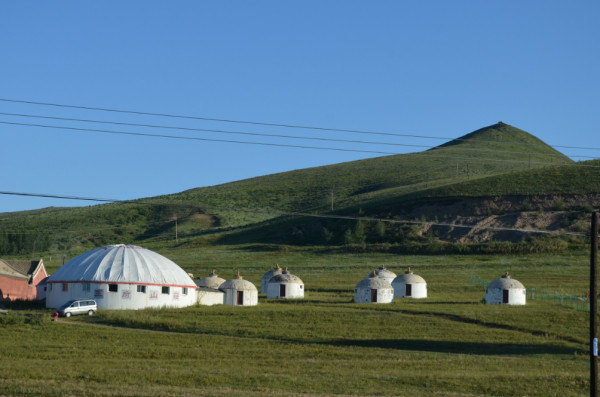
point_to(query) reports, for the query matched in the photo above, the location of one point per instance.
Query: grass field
(450, 344)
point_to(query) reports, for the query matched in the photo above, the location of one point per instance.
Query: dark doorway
(240, 298)
(504, 296)
(282, 290)
(408, 290)
(374, 295)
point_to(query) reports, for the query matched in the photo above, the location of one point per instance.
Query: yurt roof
(276, 270)
(506, 282)
(238, 284)
(286, 277)
(123, 264)
(382, 271)
(210, 281)
(373, 282)
(409, 278)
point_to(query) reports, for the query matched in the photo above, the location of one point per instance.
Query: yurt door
(240, 298)
(282, 290)
(374, 295)
(408, 290)
(504, 296)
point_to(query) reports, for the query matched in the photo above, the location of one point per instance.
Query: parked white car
(80, 306)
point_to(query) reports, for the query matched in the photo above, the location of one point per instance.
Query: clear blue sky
(439, 68)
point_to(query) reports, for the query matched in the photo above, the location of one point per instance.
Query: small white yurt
(409, 285)
(505, 291)
(121, 277)
(285, 286)
(264, 281)
(384, 273)
(208, 290)
(239, 292)
(373, 290)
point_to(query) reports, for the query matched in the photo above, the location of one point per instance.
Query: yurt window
(185, 291)
(50, 287)
(65, 287)
(113, 287)
(165, 290)
(141, 288)
(374, 295)
(85, 287)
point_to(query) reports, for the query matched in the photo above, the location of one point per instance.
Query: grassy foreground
(448, 345)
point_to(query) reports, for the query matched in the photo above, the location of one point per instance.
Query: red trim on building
(121, 282)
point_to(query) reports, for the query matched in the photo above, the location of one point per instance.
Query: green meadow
(450, 344)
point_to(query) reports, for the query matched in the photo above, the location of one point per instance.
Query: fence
(544, 294)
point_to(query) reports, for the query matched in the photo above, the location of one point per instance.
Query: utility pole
(332, 199)
(593, 297)
(176, 237)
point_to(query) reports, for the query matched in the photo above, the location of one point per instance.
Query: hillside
(240, 211)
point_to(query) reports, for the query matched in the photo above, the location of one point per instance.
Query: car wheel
(91, 313)
(67, 314)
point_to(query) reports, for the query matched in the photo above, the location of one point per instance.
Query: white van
(80, 306)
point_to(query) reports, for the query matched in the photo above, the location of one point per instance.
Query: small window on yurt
(184, 291)
(165, 290)
(141, 288)
(50, 287)
(65, 287)
(113, 287)
(85, 287)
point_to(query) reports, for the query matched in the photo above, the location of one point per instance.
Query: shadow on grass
(437, 346)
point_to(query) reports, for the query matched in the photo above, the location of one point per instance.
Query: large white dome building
(409, 285)
(121, 277)
(373, 290)
(285, 286)
(505, 291)
(239, 292)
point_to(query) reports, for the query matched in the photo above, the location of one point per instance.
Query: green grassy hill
(240, 211)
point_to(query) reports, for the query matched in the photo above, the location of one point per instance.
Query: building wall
(363, 295)
(209, 298)
(419, 290)
(516, 296)
(292, 290)
(126, 296)
(12, 288)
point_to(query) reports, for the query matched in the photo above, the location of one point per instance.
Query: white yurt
(264, 281)
(373, 290)
(121, 277)
(409, 285)
(208, 290)
(384, 273)
(285, 286)
(239, 292)
(505, 291)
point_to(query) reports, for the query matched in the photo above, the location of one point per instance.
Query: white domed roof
(382, 271)
(276, 270)
(210, 281)
(123, 263)
(373, 282)
(238, 284)
(409, 278)
(505, 282)
(286, 277)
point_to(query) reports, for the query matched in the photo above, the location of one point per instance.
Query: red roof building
(24, 280)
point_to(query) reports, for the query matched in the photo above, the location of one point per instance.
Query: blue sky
(434, 68)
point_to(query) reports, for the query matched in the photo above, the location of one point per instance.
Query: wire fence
(576, 302)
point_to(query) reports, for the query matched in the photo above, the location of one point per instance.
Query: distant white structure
(211, 281)
(239, 292)
(121, 277)
(208, 290)
(285, 286)
(264, 281)
(373, 290)
(384, 273)
(505, 291)
(409, 285)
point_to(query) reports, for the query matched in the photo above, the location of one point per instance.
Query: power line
(426, 154)
(276, 135)
(303, 214)
(297, 126)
